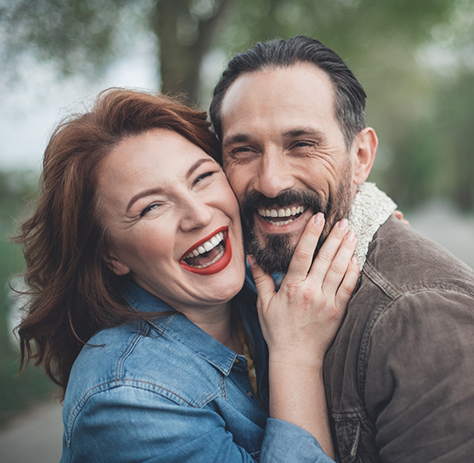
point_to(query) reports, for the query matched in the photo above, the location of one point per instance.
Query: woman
(135, 263)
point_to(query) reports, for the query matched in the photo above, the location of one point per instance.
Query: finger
(328, 252)
(339, 266)
(263, 281)
(399, 215)
(304, 252)
(348, 285)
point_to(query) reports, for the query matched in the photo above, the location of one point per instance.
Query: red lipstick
(216, 267)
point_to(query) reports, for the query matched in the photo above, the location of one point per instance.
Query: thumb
(263, 281)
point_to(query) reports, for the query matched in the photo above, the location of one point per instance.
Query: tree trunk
(184, 40)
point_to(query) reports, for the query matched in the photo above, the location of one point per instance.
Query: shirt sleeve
(287, 443)
(419, 383)
(128, 424)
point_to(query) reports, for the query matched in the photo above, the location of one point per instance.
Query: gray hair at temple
(349, 94)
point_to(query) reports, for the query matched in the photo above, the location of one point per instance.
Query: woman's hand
(300, 321)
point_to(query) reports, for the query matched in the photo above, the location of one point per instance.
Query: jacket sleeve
(419, 386)
(130, 424)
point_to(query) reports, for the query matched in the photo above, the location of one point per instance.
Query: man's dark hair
(349, 94)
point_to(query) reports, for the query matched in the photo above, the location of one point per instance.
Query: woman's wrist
(296, 361)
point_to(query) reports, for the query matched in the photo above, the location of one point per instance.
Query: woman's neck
(219, 323)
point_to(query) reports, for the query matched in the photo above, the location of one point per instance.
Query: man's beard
(274, 254)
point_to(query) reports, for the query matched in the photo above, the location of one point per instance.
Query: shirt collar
(177, 326)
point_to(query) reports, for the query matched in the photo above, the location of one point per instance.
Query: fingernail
(354, 260)
(350, 236)
(319, 219)
(251, 262)
(342, 224)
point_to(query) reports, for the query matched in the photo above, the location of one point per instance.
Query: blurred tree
(84, 36)
(456, 139)
(81, 36)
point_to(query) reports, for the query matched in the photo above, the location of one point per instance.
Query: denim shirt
(166, 391)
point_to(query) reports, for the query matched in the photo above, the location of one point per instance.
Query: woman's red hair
(72, 292)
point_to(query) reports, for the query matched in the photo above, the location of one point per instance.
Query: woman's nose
(196, 214)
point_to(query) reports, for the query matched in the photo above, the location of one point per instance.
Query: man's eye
(302, 144)
(241, 149)
(148, 209)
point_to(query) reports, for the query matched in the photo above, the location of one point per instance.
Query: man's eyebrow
(298, 132)
(159, 190)
(290, 133)
(237, 138)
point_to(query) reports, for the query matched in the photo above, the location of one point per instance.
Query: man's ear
(116, 265)
(365, 146)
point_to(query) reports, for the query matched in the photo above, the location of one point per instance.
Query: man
(400, 373)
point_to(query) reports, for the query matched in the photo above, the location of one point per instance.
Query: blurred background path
(34, 436)
(37, 435)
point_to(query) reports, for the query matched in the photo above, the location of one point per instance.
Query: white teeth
(288, 212)
(207, 246)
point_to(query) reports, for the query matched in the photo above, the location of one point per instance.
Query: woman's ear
(366, 147)
(116, 265)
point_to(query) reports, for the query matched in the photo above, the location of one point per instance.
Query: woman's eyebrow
(143, 194)
(159, 190)
(197, 164)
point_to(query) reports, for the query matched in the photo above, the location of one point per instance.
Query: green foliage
(80, 36)
(456, 138)
(16, 391)
(14, 188)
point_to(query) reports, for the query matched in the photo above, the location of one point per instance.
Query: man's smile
(282, 216)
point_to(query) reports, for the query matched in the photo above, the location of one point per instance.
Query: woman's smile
(209, 255)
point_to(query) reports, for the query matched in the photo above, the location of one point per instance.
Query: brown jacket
(400, 373)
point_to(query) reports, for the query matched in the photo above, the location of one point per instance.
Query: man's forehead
(299, 92)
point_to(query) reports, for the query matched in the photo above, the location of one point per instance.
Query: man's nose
(195, 214)
(273, 175)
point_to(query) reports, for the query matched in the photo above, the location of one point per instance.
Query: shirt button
(250, 393)
(237, 361)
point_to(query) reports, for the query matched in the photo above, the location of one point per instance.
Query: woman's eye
(148, 209)
(203, 176)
